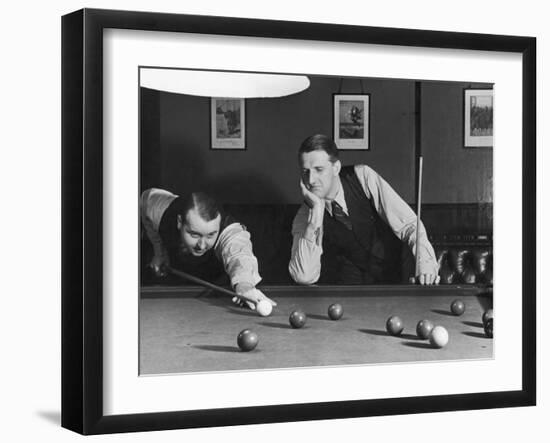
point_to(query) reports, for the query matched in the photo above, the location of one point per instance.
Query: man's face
(197, 235)
(319, 174)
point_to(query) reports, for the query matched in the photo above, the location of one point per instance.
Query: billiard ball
(247, 340)
(439, 337)
(297, 319)
(488, 327)
(486, 316)
(394, 325)
(423, 329)
(335, 311)
(458, 307)
(264, 308)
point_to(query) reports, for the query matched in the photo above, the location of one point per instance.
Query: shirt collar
(338, 198)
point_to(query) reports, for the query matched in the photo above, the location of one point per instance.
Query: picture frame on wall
(227, 123)
(478, 118)
(351, 121)
(102, 53)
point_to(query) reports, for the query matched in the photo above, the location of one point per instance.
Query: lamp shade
(221, 83)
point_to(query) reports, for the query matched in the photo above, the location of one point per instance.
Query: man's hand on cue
(248, 295)
(159, 265)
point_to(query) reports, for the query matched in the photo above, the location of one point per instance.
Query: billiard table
(191, 329)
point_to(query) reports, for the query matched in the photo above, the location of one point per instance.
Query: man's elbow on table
(303, 278)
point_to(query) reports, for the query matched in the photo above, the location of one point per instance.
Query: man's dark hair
(319, 142)
(206, 206)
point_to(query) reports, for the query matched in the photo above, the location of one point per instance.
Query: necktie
(339, 215)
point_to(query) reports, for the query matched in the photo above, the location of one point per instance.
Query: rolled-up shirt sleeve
(153, 203)
(234, 248)
(305, 258)
(399, 216)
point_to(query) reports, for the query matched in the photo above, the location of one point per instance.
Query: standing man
(352, 226)
(193, 234)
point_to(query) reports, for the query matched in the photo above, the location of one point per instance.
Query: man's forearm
(154, 238)
(398, 215)
(305, 261)
(235, 249)
(427, 261)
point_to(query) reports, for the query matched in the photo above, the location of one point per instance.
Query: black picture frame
(236, 145)
(354, 142)
(82, 217)
(473, 141)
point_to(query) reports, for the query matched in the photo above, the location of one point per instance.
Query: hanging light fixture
(222, 83)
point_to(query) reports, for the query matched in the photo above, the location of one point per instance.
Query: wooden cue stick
(201, 282)
(418, 209)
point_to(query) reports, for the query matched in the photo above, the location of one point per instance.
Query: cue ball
(486, 316)
(264, 308)
(247, 340)
(335, 311)
(423, 329)
(488, 327)
(439, 337)
(297, 319)
(394, 325)
(458, 307)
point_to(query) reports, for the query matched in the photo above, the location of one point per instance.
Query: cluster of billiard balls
(457, 308)
(438, 335)
(425, 330)
(297, 319)
(247, 339)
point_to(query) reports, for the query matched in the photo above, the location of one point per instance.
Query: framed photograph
(228, 123)
(139, 354)
(351, 121)
(478, 118)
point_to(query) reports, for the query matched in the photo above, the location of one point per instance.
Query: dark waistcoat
(370, 253)
(208, 266)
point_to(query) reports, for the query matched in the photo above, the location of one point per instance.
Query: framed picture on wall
(351, 121)
(478, 118)
(227, 123)
(104, 307)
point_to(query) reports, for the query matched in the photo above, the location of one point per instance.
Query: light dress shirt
(233, 246)
(305, 259)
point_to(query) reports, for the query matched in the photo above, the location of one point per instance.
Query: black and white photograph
(269, 221)
(351, 121)
(299, 253)
(228, 123)
(199, 245)
(478, 118)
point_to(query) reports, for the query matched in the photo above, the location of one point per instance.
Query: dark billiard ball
(423, 329)
(297, 319)
(486, 316)
(247, 340)
(458, 307)
(489, 327)
(394, 325)
(335, 311)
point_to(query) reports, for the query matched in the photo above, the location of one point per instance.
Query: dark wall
(267, 171)
(176, 154)
(150, 147)
(452, 173)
